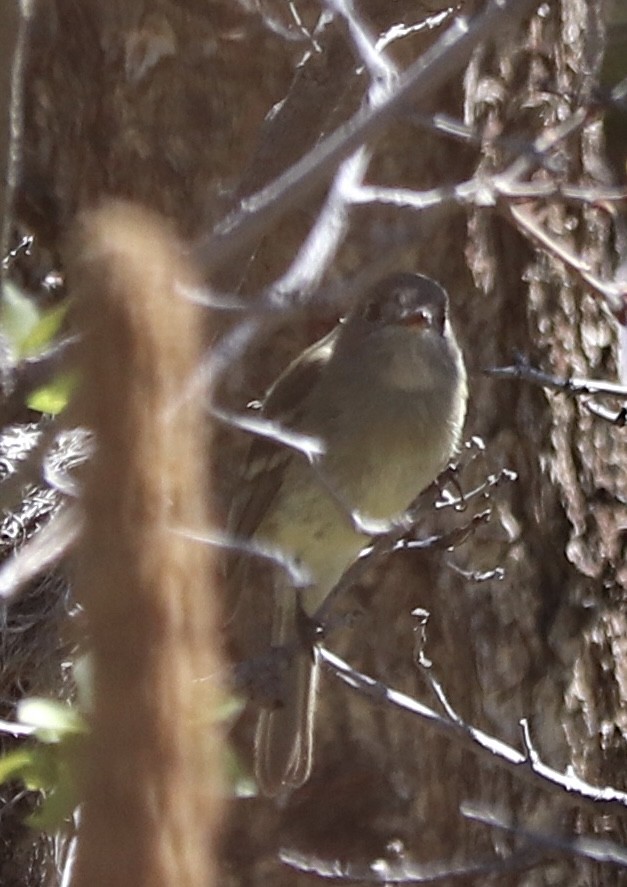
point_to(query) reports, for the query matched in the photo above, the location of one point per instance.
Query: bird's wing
(266, 460)
(258, 487)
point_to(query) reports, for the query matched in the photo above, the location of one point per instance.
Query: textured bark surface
(156, 101)
(168, 103)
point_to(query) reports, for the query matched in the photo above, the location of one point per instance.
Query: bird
(385, 393)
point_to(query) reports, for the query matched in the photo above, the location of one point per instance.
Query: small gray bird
(386, 394)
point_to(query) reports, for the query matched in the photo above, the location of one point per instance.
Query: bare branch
(303, 443)
(590, 848)
(614, 417)
(406, 870)
(380, 67)
(401, 536)
(405, 198)
(398, 31)
(22, 248)
(548, 138)
(572, 386)
(320, 246)
(565, 787)
(613, 291)
(13, 156)
(590, 194)
(422, 79)
(11, 728)
(298, 575)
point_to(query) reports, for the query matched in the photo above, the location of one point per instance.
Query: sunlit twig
(566, 787)
(406, 870)
(571, 386)
(598, 849)
(614, 292)
(258, 212)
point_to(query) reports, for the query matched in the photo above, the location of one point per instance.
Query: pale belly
(314, 530)
(314, 526)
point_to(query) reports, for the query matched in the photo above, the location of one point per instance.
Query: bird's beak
(419, 320)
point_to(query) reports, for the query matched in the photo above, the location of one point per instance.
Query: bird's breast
(395, 454)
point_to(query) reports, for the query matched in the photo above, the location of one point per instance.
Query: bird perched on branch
(385, 394)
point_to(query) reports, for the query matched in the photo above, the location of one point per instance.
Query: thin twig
(380, 66)
(406, 870)
(258, 212)
(566, 787)
(614, 291)
(401, 535)
(298, 575)
(548, 138)
(306, 444)
(397, 31)
(598, 849)
(614, 417)
(13, 168)
(571, 385)
(321, 244)
(469, 192)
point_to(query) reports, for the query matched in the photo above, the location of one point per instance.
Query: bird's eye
(372, 312)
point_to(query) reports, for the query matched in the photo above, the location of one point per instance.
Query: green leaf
(18, 317)
(53, 397)
(50, 766)
(59, 801)
(229, 709)
(42, 334)
(241, 783)
(16, 763)
(53, 720)
(30, 331)
(50, 770)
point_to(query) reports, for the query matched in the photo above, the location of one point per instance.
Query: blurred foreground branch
(153, 768)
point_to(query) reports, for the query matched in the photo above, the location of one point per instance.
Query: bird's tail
(284, 738)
